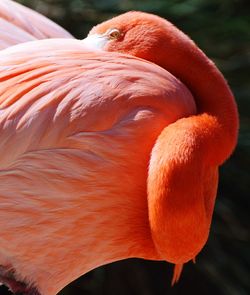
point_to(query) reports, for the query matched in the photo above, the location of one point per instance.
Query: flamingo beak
(95, 41)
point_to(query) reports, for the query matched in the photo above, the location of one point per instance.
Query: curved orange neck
(211, 92)
(183, 170)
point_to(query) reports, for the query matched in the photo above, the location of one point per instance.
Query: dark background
(222, 30)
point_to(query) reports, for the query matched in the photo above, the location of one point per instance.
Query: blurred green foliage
(222, 30)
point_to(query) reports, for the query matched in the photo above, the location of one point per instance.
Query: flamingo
(110, 148)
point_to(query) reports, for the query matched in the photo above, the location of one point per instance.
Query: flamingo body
(71, 148)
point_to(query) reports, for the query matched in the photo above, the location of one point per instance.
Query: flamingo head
(142, 35)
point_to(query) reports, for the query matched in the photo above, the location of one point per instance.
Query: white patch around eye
(95, 41)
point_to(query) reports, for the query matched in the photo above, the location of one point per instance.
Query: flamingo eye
(114, 34)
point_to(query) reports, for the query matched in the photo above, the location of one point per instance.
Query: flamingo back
(20, 24)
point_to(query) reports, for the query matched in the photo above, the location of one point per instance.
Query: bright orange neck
(183, 173)
(209, 88)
